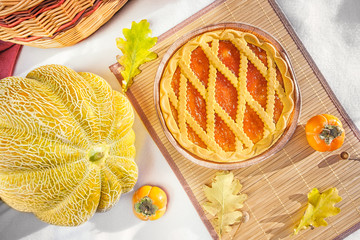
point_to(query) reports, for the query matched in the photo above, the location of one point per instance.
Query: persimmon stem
(146, 207)
(346, 156)
(330, 132)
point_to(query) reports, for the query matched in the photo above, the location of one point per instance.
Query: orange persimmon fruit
(149, 203)
(324, 132)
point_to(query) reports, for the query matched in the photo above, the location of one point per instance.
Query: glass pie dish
(226, 96)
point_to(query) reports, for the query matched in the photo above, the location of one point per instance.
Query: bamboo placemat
(277, 188)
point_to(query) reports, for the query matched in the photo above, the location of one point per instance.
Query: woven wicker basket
(53, 23)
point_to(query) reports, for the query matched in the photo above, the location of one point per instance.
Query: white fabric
(330, 30)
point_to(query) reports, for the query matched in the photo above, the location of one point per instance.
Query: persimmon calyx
(146, 207)
(330, 132)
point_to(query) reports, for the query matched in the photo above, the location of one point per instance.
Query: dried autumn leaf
(320, 206)
(135, 48)
(224, 201)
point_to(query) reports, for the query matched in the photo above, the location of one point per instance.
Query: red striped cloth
(9, 53)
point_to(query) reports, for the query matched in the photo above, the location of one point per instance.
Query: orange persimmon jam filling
(226, 95)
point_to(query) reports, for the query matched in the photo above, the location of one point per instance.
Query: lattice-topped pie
(226, 95)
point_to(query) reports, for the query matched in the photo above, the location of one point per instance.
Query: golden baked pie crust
(245, 148)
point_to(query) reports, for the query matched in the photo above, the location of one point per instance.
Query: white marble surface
(330, 30)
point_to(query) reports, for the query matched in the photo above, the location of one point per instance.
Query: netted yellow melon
(66, 144)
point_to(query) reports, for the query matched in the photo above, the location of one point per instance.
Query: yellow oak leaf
(320, 206)
(136, 50)
(224, 201)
